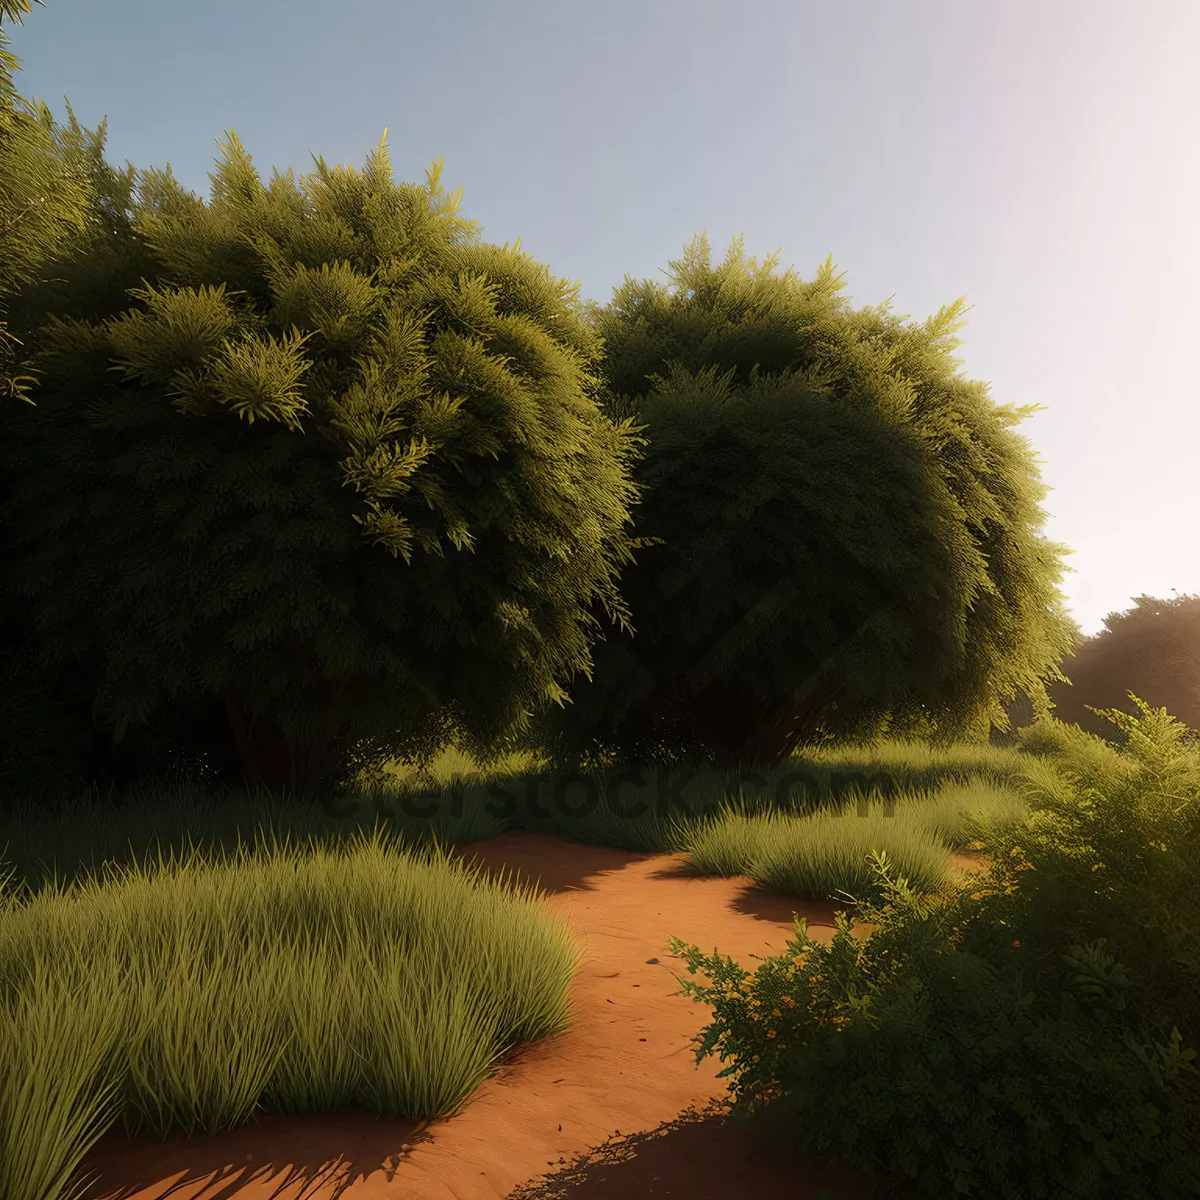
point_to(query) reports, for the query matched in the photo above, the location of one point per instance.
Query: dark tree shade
(57, 195)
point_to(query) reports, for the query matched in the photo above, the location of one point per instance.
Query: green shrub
(1050, 737)
(1024, 1033)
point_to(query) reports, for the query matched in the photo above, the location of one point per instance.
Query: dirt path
(625, 1066)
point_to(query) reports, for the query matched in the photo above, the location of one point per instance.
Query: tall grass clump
(1027, 1032)
(910, 763)
(823, 854)
(191, 992)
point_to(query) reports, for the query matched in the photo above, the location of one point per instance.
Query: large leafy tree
(337, 471)
(847, 530)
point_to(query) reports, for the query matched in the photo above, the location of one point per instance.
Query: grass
(45, 842)
(912, 764)
(178, 959)
(824, 853)
(454, 800)
(291, 979)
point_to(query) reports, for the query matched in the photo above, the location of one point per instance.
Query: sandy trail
(625, 1066)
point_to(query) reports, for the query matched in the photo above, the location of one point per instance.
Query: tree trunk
(275, 762)
(730, 720)
(742, 727)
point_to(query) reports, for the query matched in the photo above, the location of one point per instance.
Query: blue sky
(1040, 157)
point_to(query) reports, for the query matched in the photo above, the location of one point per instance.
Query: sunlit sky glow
(1040, 157)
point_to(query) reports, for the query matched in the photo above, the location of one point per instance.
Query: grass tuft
(187, 993)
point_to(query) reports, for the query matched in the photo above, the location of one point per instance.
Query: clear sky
(1040, 156)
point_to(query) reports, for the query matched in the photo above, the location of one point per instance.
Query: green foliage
(1027, 1033)
(12, 10)
(339, 466)
(1152, 648)
(1049, 737)
(1156, 740)
(47, 197)
(839, 527)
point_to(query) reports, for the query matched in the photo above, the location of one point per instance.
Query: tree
(45, 198)
(57, 195)
(339, 470)
(846, 530)
(1151, 649)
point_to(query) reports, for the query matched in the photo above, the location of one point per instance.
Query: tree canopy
(336, 464)
(311, 464)
(1151, 649)
(846, 531)
(47, 197)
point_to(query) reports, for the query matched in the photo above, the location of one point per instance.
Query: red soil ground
(624, 1067)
